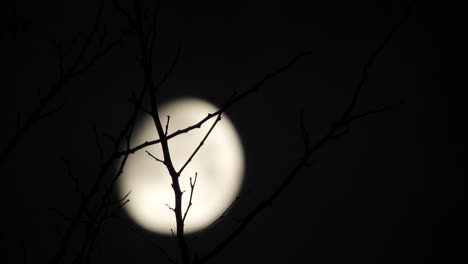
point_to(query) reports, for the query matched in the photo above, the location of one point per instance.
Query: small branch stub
(154, 157)
(167, 125)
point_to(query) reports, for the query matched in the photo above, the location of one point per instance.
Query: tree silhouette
(95, 200)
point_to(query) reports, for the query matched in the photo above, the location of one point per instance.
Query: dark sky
(390, 191)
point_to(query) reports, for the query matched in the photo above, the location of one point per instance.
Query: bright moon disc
(219, 165)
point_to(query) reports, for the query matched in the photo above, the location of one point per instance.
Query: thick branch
(147, 63)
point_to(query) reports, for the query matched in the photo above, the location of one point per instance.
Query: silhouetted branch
(106, 208)
(110, 138)
(154, 157)
(61, 214)
(192, 188)
(101, 53)
(149, 240)
(154, 29)
(121, 203)
(373, 57)
(102, 211)
(90, 37)
(163, 137)
(74, 178)
(99, 216)
(235, 98)
(377, 111)
(167, 125)
(83, 208)
(96, 219)
(60, 57)
(170, 208)
(51, 112)
(259, 208)
(65, 76)
(144, 40)
(168, 73)
(221, 217)
(344, 121)
(200, 144)
(127, 15)
(170, 136)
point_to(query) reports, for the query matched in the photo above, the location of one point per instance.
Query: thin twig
(149, 239)
(170, 208)
(65, 76)
(221, 217)
(192, 188)
(154, 157)
(51, 112)
(167, 125)
(89, 38)
(122, 10)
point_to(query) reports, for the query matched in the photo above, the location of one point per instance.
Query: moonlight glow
(219, 164)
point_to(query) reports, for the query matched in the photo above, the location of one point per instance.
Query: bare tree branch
(154, 157)
(235, 98)
(259, 208)
(101, 53)
(127, 15)
(83, 208)
(101, 211)
(192, 188)
(154, 28)
(89, 38)
(221, 217)
(373, 56)
(170, 208)
(51, 112)
(65, 76)
(345, 120)
(74, 178)
(146, 39)
(149, 240)
(167, 125)
(147, 65)
(200, 144)
(377, 111)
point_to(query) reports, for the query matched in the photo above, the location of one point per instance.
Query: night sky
(389, 191)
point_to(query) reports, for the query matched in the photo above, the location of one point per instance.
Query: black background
(390, 191)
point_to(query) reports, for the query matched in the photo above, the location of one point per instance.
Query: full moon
(219, 165)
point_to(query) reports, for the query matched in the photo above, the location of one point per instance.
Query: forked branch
(345, 120)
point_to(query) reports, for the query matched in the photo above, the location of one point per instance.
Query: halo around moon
(219, 165)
